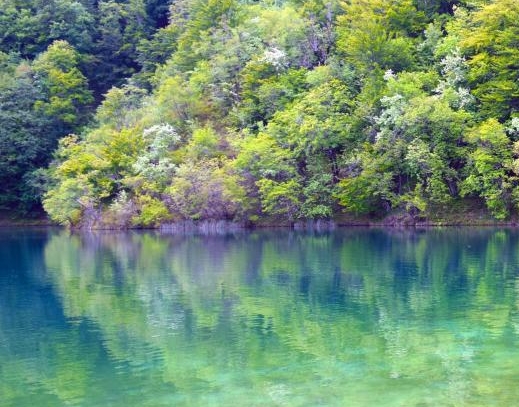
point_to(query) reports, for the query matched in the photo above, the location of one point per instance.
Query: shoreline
(308, 225)
(462, 214)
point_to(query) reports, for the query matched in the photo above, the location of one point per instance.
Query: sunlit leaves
(289, 109)
(280, 198)
(490, 39)
(151, 212)
(63, 83)
(206, 189)
(378, 34)
(490, 168)
(87, 172)
(66, 203)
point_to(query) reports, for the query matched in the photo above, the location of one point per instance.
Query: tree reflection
(422, 315)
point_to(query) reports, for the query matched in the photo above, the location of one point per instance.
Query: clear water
(357, 317)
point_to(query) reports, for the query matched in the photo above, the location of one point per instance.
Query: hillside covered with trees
(141, 112)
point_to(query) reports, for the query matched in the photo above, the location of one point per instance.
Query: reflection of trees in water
(413, 272)
(384, 304)
(34, 352)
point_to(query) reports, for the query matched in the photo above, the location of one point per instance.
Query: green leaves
(378, 34)
(27, 139)
(63, 83)
(280, 198)
(293, 110)
(89, 172)
(369, 192)
(206, 189)
(66, 203)
(489, 37)
(490, 167)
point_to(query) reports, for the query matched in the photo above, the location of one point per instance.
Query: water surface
(359, 317)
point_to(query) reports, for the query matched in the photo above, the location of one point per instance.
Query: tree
(67, 97)
(27, 139)
(417, 153)
(29, 27)
(206, 189)
(378, 34)
(490, 167)
(122, 26)
(87, 175)
(489, 37)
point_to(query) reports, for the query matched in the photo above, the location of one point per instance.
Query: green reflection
(355, 317)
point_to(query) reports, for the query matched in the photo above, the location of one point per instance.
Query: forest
(137, 113)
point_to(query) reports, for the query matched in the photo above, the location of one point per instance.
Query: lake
(353, 317)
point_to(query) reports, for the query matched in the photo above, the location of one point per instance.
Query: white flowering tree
(155, 164)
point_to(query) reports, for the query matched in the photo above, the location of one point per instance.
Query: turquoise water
(358, 317)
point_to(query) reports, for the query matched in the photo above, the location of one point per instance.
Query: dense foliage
(57, 59)
(243, 109)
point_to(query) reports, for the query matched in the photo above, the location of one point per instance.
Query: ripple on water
(358, 317)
